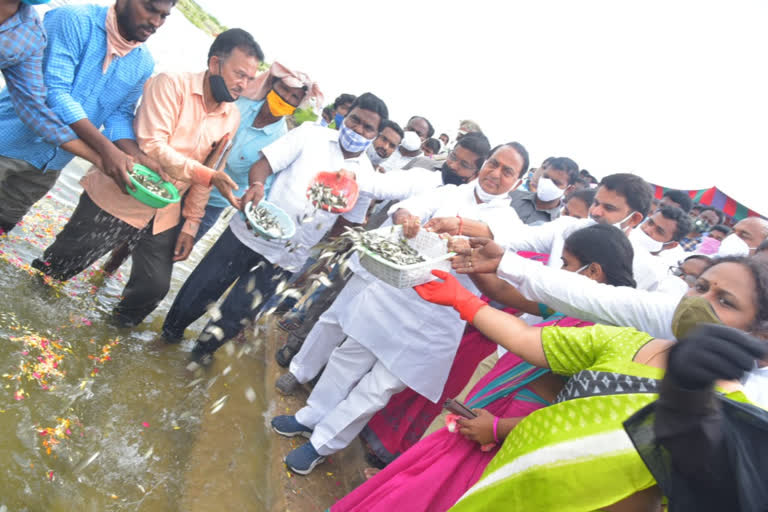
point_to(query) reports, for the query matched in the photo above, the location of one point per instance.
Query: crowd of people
(610, 347)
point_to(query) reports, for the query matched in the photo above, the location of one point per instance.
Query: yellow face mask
(278, 106)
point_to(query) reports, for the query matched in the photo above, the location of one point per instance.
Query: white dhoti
(353, 387)
(326, 335)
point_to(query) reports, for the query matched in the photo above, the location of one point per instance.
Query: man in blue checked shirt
(95, 66)
(22, 41)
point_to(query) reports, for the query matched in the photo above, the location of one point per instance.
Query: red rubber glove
(449, 292)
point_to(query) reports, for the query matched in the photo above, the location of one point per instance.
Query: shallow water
(137, 429)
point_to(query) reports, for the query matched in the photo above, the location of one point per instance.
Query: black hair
(369, 101)
(722, 228)
(477, 143)
(565, 164)
(680, 198)
(758, 267)
(633, 188)
(720, 215)
(432, 144)
(388, 123)
(762, 247)
(609, 247)
(586, 194)
(430, 128)
(446, 136)
(343, 99)
(520, 151)
(698, 257)
(228, 40)
(682, 221)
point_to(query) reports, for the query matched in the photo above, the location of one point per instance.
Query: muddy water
(96, 418)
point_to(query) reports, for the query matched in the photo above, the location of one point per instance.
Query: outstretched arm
(504, 329)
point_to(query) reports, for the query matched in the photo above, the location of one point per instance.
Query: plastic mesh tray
(429, 245)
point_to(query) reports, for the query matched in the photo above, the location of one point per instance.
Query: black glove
(713, 352)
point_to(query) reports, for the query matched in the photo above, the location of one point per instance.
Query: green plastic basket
(148, 197)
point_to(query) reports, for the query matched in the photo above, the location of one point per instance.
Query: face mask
(582, 268)
(219, 88)
(641, 239)
(485, 196)
(351, 141)
(708, 245)
(733, 245)
(338, 119)
(373, 156)
(278, 106)
(450, 177)
(702, 226)
(690, 312)
(548, 191)
(618, 224)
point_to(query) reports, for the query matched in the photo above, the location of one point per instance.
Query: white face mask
(373, 156)
(548, 191)
(486, 197)
(617, 224)
(733, 245)
(640, 238)
(583, 268)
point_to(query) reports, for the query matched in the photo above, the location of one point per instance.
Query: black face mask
(219, 88)
(450, 177)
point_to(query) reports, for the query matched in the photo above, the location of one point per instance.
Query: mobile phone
(459, 408)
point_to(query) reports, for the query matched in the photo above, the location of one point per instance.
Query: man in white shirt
(622, 200)
(408, 150)
(385, 144)
(661, 233)
(466, 160)
(395, 340)
(255, 263)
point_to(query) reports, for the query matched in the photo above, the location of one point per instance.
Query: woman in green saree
(575, 454)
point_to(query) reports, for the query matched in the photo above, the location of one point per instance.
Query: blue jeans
(229, 260)
(212, 214)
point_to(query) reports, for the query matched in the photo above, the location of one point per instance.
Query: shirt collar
(254, 107)
(198, 79)
(25, 14)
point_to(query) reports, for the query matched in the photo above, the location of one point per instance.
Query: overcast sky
(672, 90)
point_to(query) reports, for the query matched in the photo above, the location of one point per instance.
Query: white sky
(672, 90)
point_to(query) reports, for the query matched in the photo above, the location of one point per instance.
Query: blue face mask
(351, 141)
(338, 119)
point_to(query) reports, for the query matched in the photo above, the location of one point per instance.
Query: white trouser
(325, 336)
(353, 387)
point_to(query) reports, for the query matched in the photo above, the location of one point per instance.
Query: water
(137, 430)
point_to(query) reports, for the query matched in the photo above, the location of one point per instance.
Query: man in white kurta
(394, 339)
(327, 333)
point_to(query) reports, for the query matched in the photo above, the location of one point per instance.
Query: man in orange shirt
(180, 117)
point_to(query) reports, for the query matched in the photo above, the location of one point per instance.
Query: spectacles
(463, 164)
(677, 271)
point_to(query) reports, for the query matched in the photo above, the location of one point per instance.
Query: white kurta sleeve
(580, 297)
(285, 150)
(534, 238)
(397, 185)
(425, 205)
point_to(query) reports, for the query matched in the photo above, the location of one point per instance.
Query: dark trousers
(90, 234)
(21, 185)
(228, 261)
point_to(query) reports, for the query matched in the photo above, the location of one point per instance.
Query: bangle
(255, 183)
(461, 225)
(496, 429)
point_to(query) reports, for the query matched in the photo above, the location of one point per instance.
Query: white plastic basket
(429, 245)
